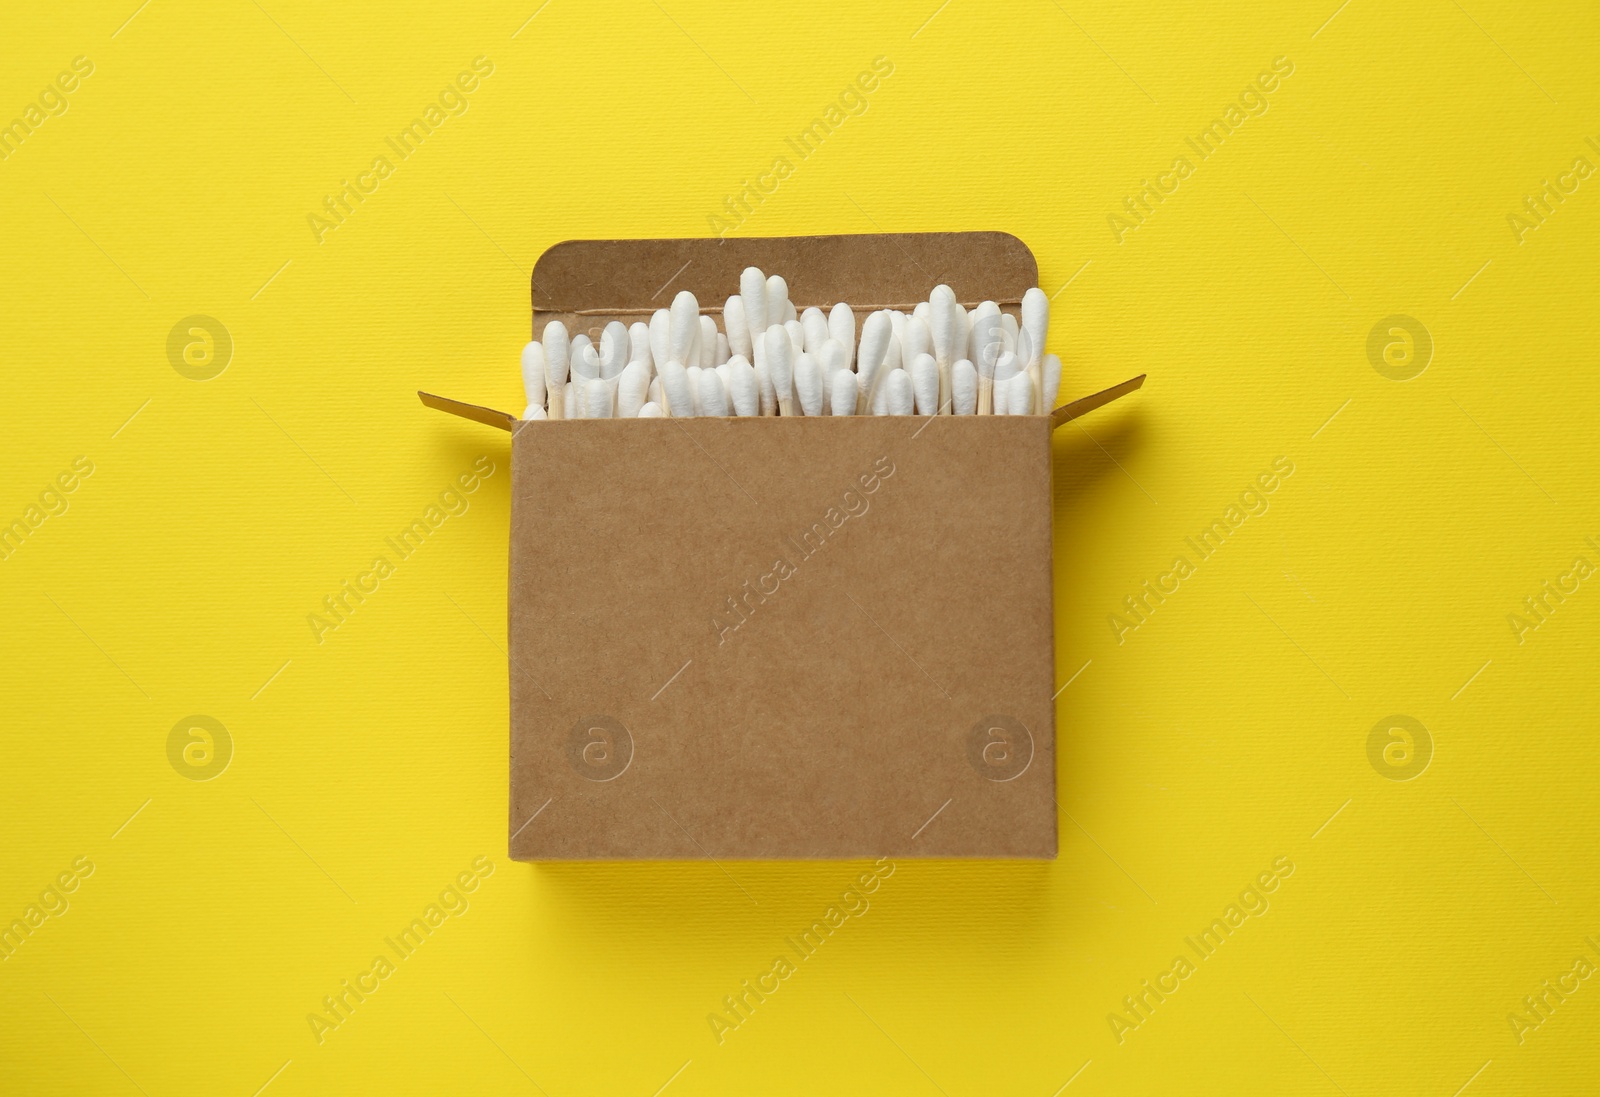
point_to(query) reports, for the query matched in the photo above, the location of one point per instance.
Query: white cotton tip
(723, 351)
(675, 386)
(613, 349)
(656, 393)
(842, 392)
(1018, 395)
(898, 397)
(831, 358)
(924, 373)
(1035, 326)
(986, 343)
(808, 384)
(815, 326)
(708, 341)
(660, 335)
(580, 340)
(1052, 382)
(789, 312)
(534, 412)
(876, 334)
(1008, 333)
(777, 300)
(922, 312)
(733, 322)
(963, 388)
(842, 329)
(1006, 368)
(585, 361)
(713, 395)
(767, 397)
(753, 292)
(533, 376)
(633, 387)
(797, 334)
(652, 410)
(1021, 402)
(1012, 396)
(1000, 398)
(597, 403)
(682, 327)
(945, 325)
(893, 357)
(572, 399)
(780, 367)
(556, 354)
(744, 393)
(694, 386)
(639, 344)
(915, 339)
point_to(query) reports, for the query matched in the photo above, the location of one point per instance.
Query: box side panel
(782, 639)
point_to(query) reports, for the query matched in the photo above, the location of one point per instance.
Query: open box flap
(476, 412)
(1064, 414)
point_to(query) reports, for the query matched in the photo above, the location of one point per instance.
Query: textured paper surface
(803, 627)
(1229, 729)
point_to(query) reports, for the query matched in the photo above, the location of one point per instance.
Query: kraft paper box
(768, 638)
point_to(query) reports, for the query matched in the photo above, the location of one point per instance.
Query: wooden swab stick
(947, 326)
(555, 365)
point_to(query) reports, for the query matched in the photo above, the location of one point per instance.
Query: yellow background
(1225, 732)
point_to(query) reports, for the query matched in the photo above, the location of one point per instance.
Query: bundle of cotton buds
(938, 359)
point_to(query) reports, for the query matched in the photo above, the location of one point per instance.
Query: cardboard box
(780, 637)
